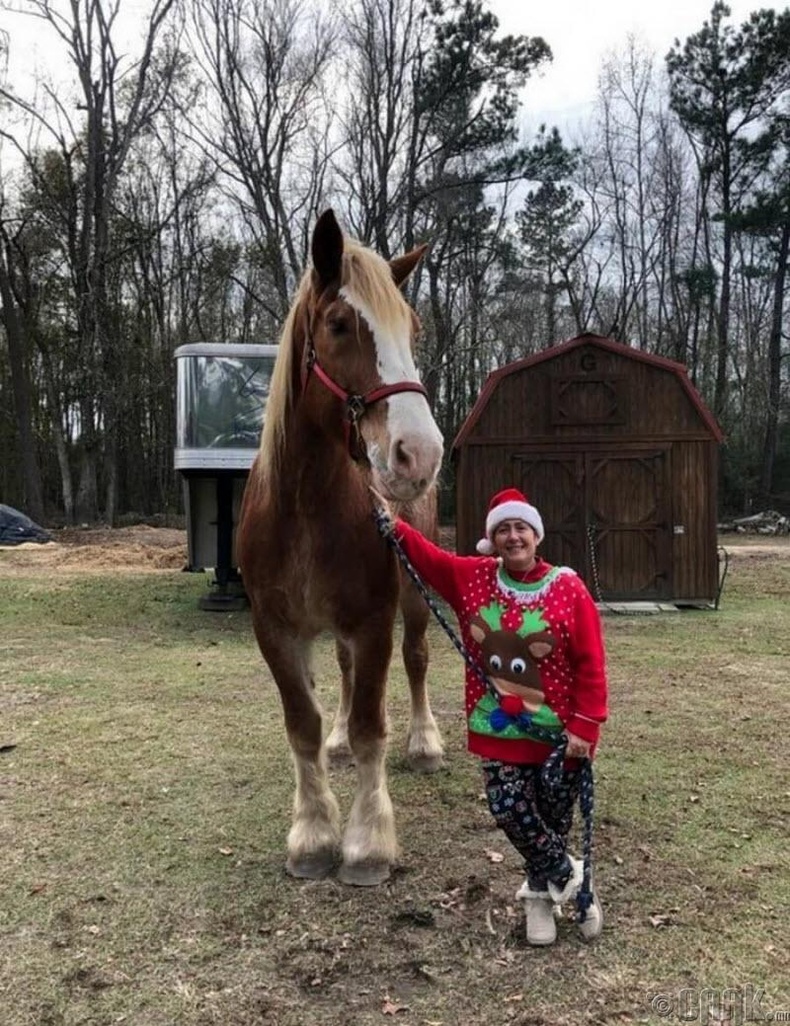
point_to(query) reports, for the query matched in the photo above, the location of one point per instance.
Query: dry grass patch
(145, 791)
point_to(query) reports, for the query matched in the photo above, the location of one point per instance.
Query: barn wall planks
(619, 453)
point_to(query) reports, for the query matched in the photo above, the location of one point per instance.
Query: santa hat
(509, 504)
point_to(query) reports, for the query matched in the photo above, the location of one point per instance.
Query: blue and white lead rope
(551, 773)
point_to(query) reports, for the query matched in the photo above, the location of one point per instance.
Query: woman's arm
(440, 569)
(589, 666)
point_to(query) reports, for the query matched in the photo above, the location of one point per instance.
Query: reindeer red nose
(511, 704)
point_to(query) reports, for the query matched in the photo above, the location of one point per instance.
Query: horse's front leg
(369, 843)
(314, 838)
(337, 746)
(425, 750)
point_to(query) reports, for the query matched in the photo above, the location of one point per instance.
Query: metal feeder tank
(221, 393)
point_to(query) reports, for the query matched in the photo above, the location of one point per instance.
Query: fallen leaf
(659, 920)
(494, 856)
(226, 851)
(391, 1008)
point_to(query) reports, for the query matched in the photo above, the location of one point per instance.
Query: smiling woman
(535, 632)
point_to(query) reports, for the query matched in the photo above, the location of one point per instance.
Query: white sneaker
(541, 926)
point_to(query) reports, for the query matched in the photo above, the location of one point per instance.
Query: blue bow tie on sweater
(500, 720)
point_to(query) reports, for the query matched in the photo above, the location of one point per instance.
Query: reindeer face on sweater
(510, 657)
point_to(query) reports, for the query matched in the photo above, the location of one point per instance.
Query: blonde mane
(368, 278)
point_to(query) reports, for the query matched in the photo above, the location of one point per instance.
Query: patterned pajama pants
(536, 820)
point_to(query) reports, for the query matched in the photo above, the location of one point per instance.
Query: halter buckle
(355, 407)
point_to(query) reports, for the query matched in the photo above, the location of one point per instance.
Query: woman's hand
(577, 748)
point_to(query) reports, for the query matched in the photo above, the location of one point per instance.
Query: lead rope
(551, 772)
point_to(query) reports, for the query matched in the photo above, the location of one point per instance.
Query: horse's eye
(518, 666)
(337, 325)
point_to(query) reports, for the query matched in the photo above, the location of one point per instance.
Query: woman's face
(516, 543)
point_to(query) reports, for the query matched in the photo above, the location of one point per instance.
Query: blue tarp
(16, 528)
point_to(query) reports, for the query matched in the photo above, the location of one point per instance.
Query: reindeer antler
(492, 616)
(532, 622)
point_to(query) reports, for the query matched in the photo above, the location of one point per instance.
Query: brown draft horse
(345, 410)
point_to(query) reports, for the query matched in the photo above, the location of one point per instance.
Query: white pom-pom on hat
(509, 504)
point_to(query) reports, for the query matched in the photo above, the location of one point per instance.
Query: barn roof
(620, 348)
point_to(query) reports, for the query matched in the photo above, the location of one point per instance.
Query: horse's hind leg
(425, 750)
(369, 843)
(314, 838)
(337, 746)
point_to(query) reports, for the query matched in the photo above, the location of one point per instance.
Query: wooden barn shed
(618, 452)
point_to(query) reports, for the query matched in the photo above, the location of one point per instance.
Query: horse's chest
(342, 587)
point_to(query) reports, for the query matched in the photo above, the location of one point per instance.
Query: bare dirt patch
(138, 548)
(142, 547)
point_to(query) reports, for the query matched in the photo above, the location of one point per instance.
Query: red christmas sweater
(538, 639)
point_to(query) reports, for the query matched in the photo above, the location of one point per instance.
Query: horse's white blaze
(414, 448)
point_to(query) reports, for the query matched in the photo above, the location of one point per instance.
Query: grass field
(145, 791)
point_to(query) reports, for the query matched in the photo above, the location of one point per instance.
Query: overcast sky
(581, 33)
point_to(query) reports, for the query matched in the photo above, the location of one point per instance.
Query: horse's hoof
(316, 865)
(364, 874)
(424, 762)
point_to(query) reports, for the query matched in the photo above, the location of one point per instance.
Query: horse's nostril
(403, 455)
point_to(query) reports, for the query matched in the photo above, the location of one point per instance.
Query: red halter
(355, 403)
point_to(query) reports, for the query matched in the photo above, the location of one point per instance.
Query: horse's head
(360, 334)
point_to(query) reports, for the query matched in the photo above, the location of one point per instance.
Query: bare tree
(13, 318)
(119, 97)
(727, 85)
(266, 122)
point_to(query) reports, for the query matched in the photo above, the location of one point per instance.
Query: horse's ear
(327, 249)
(402, 266)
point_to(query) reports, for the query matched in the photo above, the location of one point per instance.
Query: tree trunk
(65, 469)
(774, 370)
(723, 324)
(20, 384)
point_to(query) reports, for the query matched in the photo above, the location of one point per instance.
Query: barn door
(606, 512)
(628, 523)
(555, 483)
